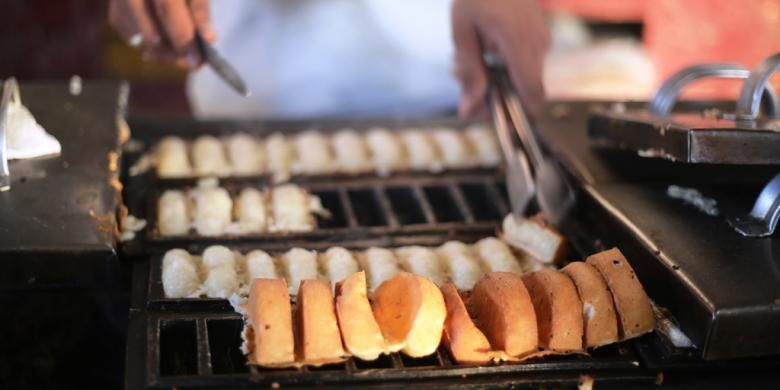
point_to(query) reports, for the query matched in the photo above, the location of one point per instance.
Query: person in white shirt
(317, 58)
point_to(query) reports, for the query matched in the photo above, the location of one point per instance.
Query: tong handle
(666, 96)
(507, 99)
(749, 101)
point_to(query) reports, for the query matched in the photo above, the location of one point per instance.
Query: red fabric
(679, 33)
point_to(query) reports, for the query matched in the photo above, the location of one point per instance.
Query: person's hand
(513, 29)
(164, 29)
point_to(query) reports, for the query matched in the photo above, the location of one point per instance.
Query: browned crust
(466, 343)
(538, 219)
(359, 330)
(425, 335)
(561, 252)
(395, 304)
(558, 310)
(320, 338)
(635, 315)
(598, 309)
(270, 315)
(504, 312)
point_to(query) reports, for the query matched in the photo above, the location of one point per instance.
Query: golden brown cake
(319, 339)
(598, 311)
(558, 310)
(359, 330)
(410, 312)
(270, 316)
(635, 315)
(466, 343)
(504, 312)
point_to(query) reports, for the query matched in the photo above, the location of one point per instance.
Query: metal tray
(688, 137)
(148, 133)
(202, 351)
(195, 343)
(156, 299)
(363, 206)
(737, 135)
(363, 209)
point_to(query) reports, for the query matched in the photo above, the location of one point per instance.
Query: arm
(516, 30)
(165, 29)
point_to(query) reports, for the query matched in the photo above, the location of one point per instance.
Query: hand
(165, 29)
(516, 31)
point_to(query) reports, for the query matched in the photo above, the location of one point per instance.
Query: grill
(370, 208)
(188, 343)
(195, 343)
(363, 206)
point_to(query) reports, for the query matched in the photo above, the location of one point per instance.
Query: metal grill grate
(374, 208)
(202, 349)
(175, 343)
(156, 300)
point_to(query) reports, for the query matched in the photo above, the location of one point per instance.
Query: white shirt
(320, 58)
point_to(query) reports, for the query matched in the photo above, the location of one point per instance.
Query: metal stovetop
(722, 287)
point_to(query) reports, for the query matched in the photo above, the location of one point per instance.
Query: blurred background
(601, 50)
(607, 49)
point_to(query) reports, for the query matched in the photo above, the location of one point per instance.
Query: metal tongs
(221, 66)
(543, 177)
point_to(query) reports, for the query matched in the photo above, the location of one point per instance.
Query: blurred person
(309, 58)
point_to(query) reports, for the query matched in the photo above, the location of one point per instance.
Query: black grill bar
(204, 350)
(387, 210)
(442, 358)
(460, 201)
(349, 210)
(384, 210)
(153, 350)
(425, 206)
(397, 362)
(349, 366)
(491, 189)
(622, 362)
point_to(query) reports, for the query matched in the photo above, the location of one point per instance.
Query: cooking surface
(689, 137)
(61, 289)
(58, 219)
(179, 342)
(565, 130)
(50, 200)
(688, 261)
(722, 287)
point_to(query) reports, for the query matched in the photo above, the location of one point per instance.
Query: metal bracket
(664, 99)
(749, 102)
(762, 220)
(10, 96)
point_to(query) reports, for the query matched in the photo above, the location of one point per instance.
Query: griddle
(61, 280)
(363, 206)
(721, 286)
(194, 342)
(188, 342)
(371, 207)
(691, 137)
(57, 222)
(735, 134)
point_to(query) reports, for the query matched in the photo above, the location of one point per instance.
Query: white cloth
(314, 58)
